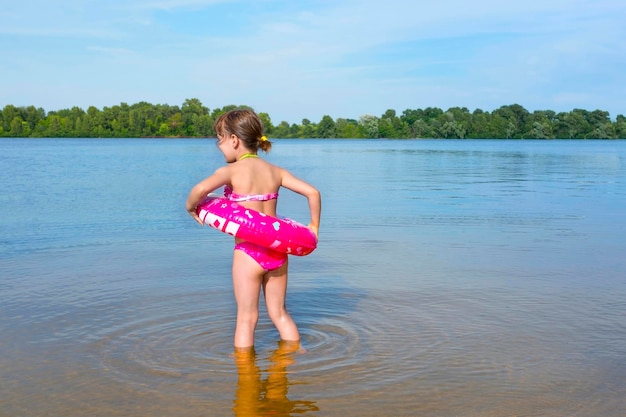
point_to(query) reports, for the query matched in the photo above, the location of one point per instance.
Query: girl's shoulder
(224, 173)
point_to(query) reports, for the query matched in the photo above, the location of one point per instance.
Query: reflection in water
(256, 396)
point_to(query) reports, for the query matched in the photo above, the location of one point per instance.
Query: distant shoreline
(194, 120)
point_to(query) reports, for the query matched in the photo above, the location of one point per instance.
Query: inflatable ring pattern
(282, 235)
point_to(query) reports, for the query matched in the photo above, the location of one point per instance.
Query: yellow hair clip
(263, 138)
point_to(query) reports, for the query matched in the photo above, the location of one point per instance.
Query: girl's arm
(311, 193)
(219, 178)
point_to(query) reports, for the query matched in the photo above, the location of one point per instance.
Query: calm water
(453, 278)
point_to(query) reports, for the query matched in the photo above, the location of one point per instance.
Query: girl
(254, 183)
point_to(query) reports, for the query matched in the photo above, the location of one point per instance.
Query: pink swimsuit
(268, 259)
(229, 194)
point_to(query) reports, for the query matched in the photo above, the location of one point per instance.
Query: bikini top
(229, 194)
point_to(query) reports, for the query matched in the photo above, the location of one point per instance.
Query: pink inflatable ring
(282, 235)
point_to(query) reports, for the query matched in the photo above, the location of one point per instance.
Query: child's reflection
(257, 397)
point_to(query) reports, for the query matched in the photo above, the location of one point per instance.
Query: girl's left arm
(311, 193)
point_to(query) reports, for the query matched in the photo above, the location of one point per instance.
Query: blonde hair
(246, 125)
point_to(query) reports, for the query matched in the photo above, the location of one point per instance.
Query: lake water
(452, 278)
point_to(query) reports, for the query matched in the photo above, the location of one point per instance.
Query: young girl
(254, 183)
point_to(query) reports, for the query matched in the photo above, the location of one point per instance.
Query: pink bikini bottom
(268, 259)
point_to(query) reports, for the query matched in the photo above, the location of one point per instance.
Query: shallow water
(474, 278)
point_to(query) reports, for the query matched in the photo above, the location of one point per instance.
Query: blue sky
(304, 59)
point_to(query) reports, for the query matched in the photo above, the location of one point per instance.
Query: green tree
(452, 130)
(282, 130)
(369, 124)
(164, 129)
(9, 112)
(175, 124)
(452, 125)
(386, 122)
(295, 131)
(433, 117)
(391, 126)
(541, 125)
(192, 110)
(509, 121)
(204, 126)
(578, 124)
(561, 126)
(32, 116)
(141, 119)
(416, 123)
(620, 127)
(348, 128)
(480, 125)
(19, 128)
(57, 126)
(309, 129)
(268, 127)
(326, 128)
(421, 129)
(410, 117)
(600, 125)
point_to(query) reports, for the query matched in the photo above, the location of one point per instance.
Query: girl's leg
(246, 402)
(247, 277)
(275, 291)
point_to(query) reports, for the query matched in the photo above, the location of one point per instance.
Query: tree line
(193, 119)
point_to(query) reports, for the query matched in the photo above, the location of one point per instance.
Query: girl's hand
(195, 216)
(314, 229)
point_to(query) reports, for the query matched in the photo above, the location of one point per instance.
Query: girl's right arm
(219, 178)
